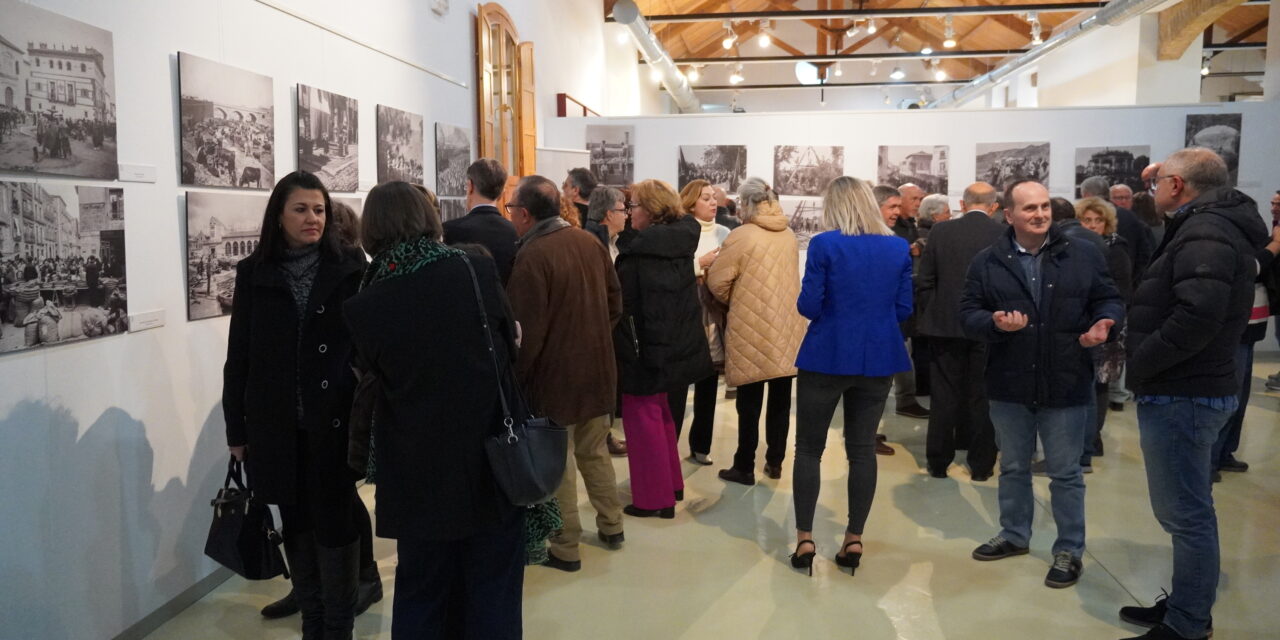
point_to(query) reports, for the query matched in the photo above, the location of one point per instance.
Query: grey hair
(1095, 187)
(932, 205)
(1201, 168)
(602, 200)
(883, 192)
(751, 194)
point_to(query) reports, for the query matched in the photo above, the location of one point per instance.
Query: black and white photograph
(222, 229)
(57, 95)
(452, 208)
(228, 125)
(399, 145)
(453, 156)
(1220, 132)
(328, 137)
(1000, 163)
(926, 166)
(805, 171)
(1119, 165)
(724, 166)
(356, 204)
(804, 216)
(62, 264)
(613, 154)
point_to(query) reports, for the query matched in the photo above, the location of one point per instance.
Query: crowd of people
(587, 304)
(220, 144)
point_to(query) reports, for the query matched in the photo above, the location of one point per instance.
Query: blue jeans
(1177, 444)
(1061, 432)
(1229, 438)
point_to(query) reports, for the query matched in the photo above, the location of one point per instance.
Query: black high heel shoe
(804, 560)
(850, 559)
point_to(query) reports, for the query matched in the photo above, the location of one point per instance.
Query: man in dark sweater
(484, 224)
(1187, 316)
(578, 187)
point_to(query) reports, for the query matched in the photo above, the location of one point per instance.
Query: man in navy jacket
(484, 224)
(1040, 299)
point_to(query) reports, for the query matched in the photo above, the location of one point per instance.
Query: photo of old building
(328, 137)
(222, 230)
(926, 166)
(1119, 165)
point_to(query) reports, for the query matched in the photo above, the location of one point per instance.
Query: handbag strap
(493, 354)
(235, 474)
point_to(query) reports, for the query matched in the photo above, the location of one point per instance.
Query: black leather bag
(243, 535)
(527, 455)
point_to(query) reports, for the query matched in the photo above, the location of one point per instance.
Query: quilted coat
(758, 275)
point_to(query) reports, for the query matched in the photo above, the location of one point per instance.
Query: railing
(569, 107)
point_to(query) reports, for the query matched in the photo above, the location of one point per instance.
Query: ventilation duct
(626, 13)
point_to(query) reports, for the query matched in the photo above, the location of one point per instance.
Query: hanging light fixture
(736, 76)
(897, 73)
(950, 34)
(871, 27)
(1035, 28)
(730, 36)
(764, 39)
(839, 72)
(938, 73)
(1204, 65)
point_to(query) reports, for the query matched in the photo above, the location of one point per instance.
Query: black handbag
(527, 456)
(243, 535)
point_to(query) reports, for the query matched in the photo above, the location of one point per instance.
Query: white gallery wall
(111, 449)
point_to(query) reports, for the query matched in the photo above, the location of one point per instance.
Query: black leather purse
(243, 535)
(527, 455)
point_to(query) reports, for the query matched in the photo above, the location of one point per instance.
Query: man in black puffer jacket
(1187, 316)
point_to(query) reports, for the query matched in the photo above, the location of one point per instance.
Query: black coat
(268, 362)
(1140, 238)
(436, 399)
(660, 311)
(951, 248)
(1192, 303)
(1042, 364)
(485, 226)
(723, 218)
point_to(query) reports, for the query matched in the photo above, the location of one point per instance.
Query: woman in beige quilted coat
(758, 275)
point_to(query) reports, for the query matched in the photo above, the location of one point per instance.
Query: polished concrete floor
(720, 570)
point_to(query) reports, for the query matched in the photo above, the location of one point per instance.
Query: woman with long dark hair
(287, 389)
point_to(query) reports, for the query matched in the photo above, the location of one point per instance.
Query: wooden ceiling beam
(1243, 35)
(1182, 23)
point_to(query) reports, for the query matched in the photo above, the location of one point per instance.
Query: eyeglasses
(631, 205)
(1156, 182)
(513, 205)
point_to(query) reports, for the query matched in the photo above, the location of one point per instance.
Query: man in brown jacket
(566, 297)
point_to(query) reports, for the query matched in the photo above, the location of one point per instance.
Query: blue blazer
(856, 290)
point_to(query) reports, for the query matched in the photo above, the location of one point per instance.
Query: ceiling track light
(875, 67)
(736, 77)
(731, 36)
(897, 73)
(949, 41)
(871, 27)
(764, 39)
(839, 72)
(1035, 28)
(926, 50)
(694, 73)
(1204, 65)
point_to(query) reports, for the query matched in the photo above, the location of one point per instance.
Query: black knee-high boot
(339, 575)
(304, 567)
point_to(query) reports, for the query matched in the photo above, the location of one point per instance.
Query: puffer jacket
(660, 342)
(1192, 304)
(758, 275)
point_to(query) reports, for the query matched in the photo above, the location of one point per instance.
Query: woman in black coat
(429, 380)
(287, 389)
(661, 342)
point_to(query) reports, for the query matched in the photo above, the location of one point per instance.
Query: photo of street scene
(228, 125)
(328, 137)
(222, 229)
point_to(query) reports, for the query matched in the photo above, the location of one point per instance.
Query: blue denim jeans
(1061, 432)
(1177, 445)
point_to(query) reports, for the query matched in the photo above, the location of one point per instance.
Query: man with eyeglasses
(1186, 319)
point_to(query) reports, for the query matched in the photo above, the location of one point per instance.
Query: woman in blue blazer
(857, 288)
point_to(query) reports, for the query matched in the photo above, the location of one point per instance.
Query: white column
(1271, 83)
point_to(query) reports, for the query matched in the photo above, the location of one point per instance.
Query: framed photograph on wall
(926, 166)
(1001, 163)
(222, 230)
(452, 208)
(1220, 132)
(64, 271)
(804, 216)
(328, 137)
(1119, 165)
(399, 145)
(57, 95)
(228, 125)
(724, 166)
(805, 170)
(453, 156)
(613, 154)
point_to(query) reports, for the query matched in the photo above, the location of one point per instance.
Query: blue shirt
(1030, 263)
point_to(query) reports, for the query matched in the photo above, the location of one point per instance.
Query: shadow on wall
(90, 547)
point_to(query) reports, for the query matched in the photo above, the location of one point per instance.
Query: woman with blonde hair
(659, 341)
(698, 200)
(758, 276)
(856, 290)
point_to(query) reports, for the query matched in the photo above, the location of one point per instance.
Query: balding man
(1039, 301)
(1189, 312)
(959, 413)
(565, 295)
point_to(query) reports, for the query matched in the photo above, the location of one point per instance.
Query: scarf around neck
(542, 228)
(405, 258)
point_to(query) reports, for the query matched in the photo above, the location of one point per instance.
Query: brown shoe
(883, 449)
(772, 471)
(616, 447)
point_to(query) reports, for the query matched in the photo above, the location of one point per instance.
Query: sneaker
(998, 548)
(913, 410)
(1153, 615)
(1162, 631)
(1233, 465)
(699, 458)
(1065, 571)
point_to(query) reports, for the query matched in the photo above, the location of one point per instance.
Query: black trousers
(777, 422)
(326, 500)
(468, 588)
(959, 416)
(704, 412)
